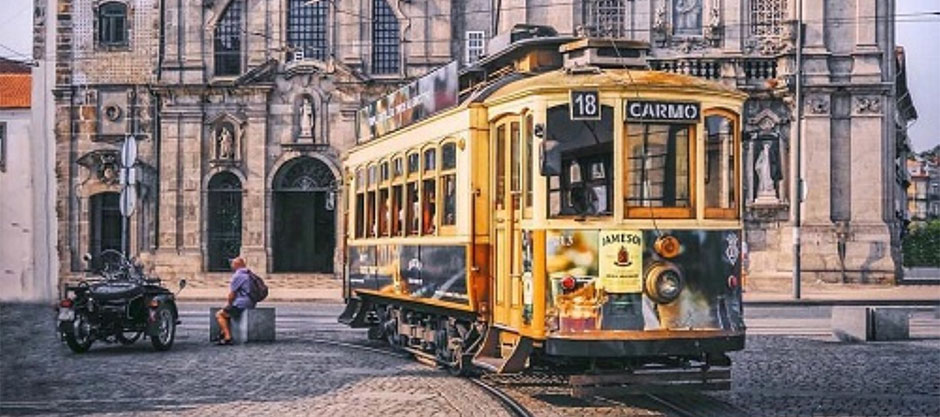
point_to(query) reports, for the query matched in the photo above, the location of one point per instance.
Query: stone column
(867, 249)
(255, 202)
(816, 148)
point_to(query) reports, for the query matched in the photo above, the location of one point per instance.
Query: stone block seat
(863, 324)
(253, 325)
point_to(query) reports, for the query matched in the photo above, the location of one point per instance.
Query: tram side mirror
(86, 257)
(182, 284)
(551, 158)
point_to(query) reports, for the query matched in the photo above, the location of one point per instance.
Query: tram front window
(584, 185)
(658, 168)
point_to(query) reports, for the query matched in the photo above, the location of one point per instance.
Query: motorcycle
(118, 305)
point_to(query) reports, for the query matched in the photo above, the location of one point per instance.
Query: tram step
(650, 381)
(515, 361)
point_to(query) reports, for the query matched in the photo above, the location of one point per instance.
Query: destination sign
(662, 111)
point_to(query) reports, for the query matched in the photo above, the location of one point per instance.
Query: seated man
(239, 298)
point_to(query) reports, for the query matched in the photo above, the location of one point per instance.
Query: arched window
(228, 40)
(224, 240)
(385, 39)
(429, 192)
(112, 24)
(449, 183)
(306, 29)
(605, 17)
(721, 176)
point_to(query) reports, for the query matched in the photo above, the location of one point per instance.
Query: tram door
(506, 198)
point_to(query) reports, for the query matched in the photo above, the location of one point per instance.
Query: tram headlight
(667, 246)
(664, 282)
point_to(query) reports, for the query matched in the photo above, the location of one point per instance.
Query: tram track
(507, 401)
(674, 404)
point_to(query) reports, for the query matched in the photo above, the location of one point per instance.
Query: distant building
(25, 246)
(923, 195)
(242, 109)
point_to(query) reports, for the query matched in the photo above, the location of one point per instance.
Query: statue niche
(225, 140)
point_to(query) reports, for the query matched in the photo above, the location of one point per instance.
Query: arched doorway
(105, 223)
(224, 240)
(304, 217)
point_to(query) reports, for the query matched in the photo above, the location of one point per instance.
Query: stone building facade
(242, 109)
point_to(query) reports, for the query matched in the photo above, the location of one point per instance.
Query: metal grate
(306, 29)
(767, 17)
(385, 41)
(605, 18)
(228, 40)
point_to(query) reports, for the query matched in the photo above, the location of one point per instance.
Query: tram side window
(584, 148)
(658, 167)
(411, 208)
(371, 223)
(360, 204)
(527, 168)
(720, 165)
(515, 158)
(449, 183)
(500, 167)
(398, 212)
(384, 216)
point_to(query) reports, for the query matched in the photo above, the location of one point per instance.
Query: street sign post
(128, 199)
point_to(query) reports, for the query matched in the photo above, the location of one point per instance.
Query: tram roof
(608, 78)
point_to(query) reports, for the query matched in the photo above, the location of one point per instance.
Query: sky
(918, 35)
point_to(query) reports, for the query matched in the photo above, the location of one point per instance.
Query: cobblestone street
(306, 373)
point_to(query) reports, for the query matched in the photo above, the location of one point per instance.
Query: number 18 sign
(585, 105)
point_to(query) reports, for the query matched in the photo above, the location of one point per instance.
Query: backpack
(258, 290)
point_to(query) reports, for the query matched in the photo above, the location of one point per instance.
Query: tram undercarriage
(464, 345)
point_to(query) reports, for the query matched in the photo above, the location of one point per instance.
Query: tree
(922, 245)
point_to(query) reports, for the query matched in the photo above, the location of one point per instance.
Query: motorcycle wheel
(124, 339)
(78, 336)
(162, 340)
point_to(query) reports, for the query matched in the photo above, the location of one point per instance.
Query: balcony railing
(752, 71)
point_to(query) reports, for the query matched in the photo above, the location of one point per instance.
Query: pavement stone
(293, 376)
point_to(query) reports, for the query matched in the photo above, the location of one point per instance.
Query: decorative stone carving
(867, 105)
(660, 25)
(687, 17)
(817, 104)
(103, 164)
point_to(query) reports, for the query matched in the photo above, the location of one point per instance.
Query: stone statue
(226, 144)
(714, 19)
(688, 17)
(306, 118)
(713, 28)
(659, 22)
(766, 183)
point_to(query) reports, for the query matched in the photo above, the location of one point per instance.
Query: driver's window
(585, 184)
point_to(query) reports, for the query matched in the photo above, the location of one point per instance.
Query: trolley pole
(797, 220)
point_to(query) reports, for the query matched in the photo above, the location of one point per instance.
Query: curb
(824, 303)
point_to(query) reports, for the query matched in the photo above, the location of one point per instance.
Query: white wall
(16, 210)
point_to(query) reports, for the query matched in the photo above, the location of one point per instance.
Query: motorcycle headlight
(664, 282)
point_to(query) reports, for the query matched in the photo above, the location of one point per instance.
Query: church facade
(242, 109)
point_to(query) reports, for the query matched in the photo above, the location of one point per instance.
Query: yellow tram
(558, 204)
